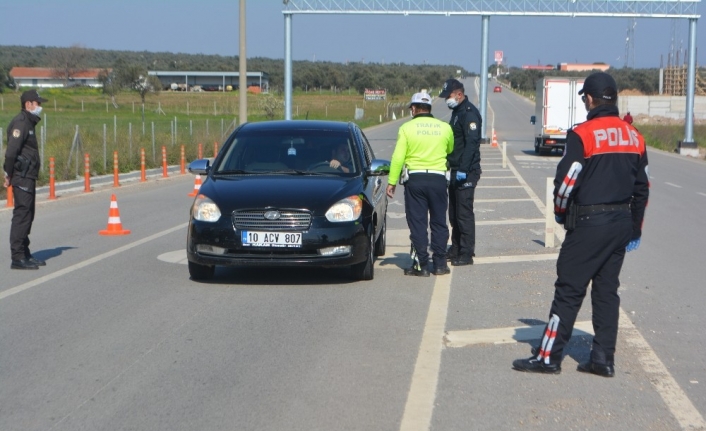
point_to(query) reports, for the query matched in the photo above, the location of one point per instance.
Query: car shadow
(281, 276)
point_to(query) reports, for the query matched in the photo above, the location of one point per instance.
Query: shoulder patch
(473, 125)
(16, 133)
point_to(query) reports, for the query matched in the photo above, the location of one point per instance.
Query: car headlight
(347, 209)
(204, 209)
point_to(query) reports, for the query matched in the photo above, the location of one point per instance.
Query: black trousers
(589, 254)
(22, 218)
(462, 220)
(425, 202)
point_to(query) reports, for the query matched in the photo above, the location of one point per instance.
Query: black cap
(31, 96)
(600, 85)
(450, 86)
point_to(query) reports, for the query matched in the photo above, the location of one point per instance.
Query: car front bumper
(321, 234)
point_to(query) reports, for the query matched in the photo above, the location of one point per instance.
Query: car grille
(288, 220)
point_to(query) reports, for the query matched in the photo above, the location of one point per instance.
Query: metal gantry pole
(242, 59)
(483, 96)
(691, 85)
(287, 66)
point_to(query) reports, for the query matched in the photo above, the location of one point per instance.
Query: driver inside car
(341, 158)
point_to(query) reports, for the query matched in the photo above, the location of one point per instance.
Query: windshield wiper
(233, 172)
(298, 172)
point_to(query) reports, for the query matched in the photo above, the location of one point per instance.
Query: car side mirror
(379, 167)
(533, 119)
(200, 167)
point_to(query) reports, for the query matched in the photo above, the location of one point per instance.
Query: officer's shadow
(578, 348)
(50, 253)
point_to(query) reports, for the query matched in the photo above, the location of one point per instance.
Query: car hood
(313, 193)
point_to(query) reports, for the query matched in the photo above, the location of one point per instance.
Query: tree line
(396, 78)
(646, 81)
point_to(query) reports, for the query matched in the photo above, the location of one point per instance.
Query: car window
(367, 149)
(303, 151)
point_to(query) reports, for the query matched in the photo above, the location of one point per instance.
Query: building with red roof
(44, 77)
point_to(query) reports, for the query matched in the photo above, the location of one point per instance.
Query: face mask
(36, 111)
(451, 103)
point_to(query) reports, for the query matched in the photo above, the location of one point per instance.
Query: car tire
(201, 272)
(536, 146)
(381, 242)
(365, 270)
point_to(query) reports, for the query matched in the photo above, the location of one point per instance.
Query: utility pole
(243, 83)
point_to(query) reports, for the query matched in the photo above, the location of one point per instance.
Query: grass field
(189, 119)
(176, 118)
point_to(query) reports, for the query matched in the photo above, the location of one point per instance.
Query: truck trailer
(558, 108)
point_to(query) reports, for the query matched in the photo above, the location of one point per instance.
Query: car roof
(286, 125)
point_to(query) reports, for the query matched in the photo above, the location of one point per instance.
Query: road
(112, 334)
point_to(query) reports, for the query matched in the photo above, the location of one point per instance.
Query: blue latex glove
(633, 245)
(460, 176)
(560, 218)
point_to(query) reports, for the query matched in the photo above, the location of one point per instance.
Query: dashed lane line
(56, 274)
(672, 394)
(673, 185)
(422, 392)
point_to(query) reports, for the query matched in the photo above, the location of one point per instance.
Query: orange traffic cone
(495, 140)
(197, 186)
(114, 225)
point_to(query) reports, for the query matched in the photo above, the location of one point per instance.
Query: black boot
(35, 261)
(533, 365)
(23, 264)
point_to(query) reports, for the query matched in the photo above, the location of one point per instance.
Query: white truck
(558, 108)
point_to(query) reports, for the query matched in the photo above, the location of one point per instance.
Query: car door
(374, 185)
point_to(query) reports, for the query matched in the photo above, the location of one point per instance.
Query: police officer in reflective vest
(464, 163)
(422, 146)
(600, 190)
(21, 171)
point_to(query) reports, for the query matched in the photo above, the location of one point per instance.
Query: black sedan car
(286, 193)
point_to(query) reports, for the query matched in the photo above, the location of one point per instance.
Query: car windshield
(290, 152)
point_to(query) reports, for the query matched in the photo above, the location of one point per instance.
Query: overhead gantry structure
(672, 9)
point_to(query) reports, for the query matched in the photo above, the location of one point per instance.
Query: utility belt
(576, 211)
(426, 171)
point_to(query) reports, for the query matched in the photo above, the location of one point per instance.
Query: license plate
(251, 238)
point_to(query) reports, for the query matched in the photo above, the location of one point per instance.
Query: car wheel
(381, 242)
(536, 146)
(365, 270)
(201, 272)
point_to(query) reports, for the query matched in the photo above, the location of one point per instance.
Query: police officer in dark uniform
(464, 163)
(21, 171)
(601, 190)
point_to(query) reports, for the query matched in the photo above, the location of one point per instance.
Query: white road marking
(498, 187)
(496, 178)
(702, 194)
(674, 397)
(395, 215)
(673, 185)
(537, 159)
(422, 392)
(72, 268)
(506, 335)
(509, 221)
(485, 201)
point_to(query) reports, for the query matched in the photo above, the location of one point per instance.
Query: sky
(212, 27)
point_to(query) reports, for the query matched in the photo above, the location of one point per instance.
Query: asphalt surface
(112, 334)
